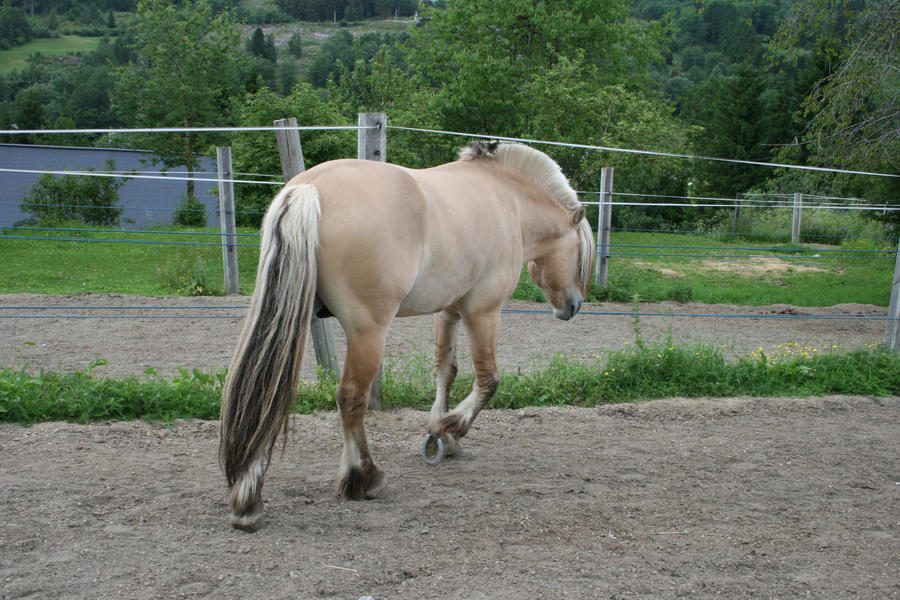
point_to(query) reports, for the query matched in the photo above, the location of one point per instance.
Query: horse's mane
(543, 170)
(527, 162)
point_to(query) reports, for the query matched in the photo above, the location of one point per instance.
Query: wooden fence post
(736, 220)
(795, 222)
(892, 339)
(372, 137)
(604, 224)
(371, 144)
(322, 330)
(226, 219)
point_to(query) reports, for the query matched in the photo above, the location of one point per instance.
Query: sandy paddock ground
(726, 498)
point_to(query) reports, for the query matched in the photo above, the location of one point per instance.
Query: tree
(734, 116)
(14, 27)
(568, 107)
(295, 45)
(30, 108)
(853, 113)
(90, 199)
(478, 54)
(262, 46)
(255, 152)
(185, 75)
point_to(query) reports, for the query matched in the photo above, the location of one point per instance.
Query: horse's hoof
(251, 520)
(433, 450)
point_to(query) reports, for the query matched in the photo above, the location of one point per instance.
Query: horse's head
(564, 272)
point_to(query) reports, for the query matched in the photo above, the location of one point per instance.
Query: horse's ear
(579, 215)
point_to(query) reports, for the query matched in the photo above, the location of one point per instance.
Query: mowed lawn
(17, 58)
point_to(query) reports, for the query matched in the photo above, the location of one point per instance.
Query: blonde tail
(261, 385)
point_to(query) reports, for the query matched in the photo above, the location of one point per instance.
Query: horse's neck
(543, 222)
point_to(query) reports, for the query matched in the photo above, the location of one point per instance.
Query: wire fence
(64, 312)
(879, 255)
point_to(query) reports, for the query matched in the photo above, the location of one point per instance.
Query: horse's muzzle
(571, 308)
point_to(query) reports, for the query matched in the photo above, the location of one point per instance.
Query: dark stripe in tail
(261, 385)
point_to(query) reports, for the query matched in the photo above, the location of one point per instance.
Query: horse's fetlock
(358, 483)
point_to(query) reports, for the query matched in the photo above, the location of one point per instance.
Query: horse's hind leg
(445, 366)
(482, 329)
(358, 476)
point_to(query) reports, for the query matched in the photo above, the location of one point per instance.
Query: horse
(368, 241)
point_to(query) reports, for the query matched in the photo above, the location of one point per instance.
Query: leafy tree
(185, 74)
(377, 84)
(287, 74)
(30, 112)
(14, 27)
(852, 113)
(478, 54)
(343, 49)
(841, 56)
(567, 107)
(90, 199)
(255, 152)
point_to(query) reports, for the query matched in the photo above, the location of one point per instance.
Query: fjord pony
(368, 241)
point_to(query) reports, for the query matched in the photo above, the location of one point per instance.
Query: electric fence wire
(596, 313)
(854, 204)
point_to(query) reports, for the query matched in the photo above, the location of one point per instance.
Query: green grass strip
(641, 372)
(81, 397)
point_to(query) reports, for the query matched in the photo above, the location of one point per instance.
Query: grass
(128, 266)
(792, 275)
(641, 372)
(17, 57)
(825, 226)
(82, 398)
(745, 272)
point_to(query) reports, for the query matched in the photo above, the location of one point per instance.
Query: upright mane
(527, 162)
(543, 170)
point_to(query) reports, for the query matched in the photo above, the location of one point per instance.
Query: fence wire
(767, 201)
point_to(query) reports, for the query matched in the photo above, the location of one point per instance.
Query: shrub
(190, 213)
(91, 199)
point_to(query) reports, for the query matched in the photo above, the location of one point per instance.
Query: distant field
(314, 34)
(16, 58)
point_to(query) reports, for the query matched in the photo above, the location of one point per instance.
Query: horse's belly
(463, 290)
(423, 301)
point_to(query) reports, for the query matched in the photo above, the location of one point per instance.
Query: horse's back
(405, 241)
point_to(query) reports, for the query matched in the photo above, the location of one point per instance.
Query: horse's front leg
(445, 366)
(358, 477)
(482, 329)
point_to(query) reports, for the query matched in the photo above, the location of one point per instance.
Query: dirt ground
(726, 498)
(62, 333)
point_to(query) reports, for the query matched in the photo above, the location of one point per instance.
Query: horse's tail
(261, 385)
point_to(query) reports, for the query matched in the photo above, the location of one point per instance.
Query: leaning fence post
(371, 144)
(604, 224)
(795, 222)
(226, 219)
(291, 153)
(892, 340)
